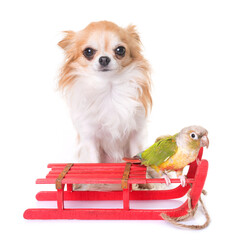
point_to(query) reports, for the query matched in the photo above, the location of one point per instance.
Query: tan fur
(74, 44)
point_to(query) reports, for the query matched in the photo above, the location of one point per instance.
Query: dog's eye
(120, 51)
(89, 52)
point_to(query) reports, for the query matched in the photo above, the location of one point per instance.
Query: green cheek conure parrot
(173, 153)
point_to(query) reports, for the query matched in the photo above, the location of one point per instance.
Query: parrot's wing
(162, 137)
(160, 151)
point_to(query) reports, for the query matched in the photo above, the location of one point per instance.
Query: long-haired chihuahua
(107, 85)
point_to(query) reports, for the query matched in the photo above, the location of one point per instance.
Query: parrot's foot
(182, 180)
(167, 179)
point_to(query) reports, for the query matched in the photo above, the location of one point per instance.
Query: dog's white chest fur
(107, 115)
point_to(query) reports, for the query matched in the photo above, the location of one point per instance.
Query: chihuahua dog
(106, 81)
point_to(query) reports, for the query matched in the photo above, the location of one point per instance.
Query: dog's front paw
(146, 186)
(77, 187)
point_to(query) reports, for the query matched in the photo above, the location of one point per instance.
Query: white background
(194, 50)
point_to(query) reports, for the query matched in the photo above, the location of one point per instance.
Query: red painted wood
(84, 165)
(70, 180)
(126, 198)
(111, 173)
(69, 187)
(104, 214)
(200, 154)
(177, 192)
(86, 176)
(96, 172)
(200, 177)
(79, 180)
(132, 160)
(60, 198)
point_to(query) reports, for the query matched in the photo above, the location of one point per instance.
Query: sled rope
(126, 175)
(191, 213)
(62, 175)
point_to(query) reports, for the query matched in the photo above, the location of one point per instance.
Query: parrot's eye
(193, 135)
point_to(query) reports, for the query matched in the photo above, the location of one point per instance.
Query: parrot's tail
(138, 156)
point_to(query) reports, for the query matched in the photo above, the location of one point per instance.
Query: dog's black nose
(104, 61)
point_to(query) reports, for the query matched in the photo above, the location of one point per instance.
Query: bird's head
(193, 138)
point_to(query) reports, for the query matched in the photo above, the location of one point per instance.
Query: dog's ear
(131, 29)
(68, 40)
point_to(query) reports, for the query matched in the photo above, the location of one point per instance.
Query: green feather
(160, 151)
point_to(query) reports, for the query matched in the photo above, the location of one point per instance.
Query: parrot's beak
(204, 142)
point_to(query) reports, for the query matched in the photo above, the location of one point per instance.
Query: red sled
(126, 174)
